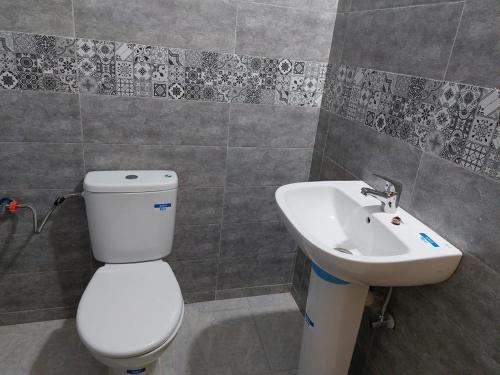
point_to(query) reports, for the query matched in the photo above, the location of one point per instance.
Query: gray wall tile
(255, 238)
(19, 317)
(196, 166)
(306, 4)
(267, 166)
(362, 152)
(316, 161)
(143, 121)
(254, 291)
(34, 117)
(458, 205)
(197, 206)
(477, 51)
(255, 271)
(273, 31)
(37, 16)
(380, 4)
(202, 24)
(250, 204)
(47, 251)
(415, 40)
(40, 165)
(339, 35)
(331, 171)
(196, 275)
(195, 242)
(273, 126)
(41, 290)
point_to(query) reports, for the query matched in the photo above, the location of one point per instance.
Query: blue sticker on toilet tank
(162, 206)
(138, 371)
(429, 240)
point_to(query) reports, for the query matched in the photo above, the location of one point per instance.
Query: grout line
(236, 27)
(429, 4)
(73, 17)
(412, 196)
(223, 198)
(454, 41)
(304, 8)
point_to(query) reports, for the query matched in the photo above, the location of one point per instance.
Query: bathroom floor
(245, 336)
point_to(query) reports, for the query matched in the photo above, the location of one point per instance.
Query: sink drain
(342, 250)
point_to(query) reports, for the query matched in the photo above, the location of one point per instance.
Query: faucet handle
(392, 186)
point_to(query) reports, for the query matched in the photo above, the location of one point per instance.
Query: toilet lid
(130, 309)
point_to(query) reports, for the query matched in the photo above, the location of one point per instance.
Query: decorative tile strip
(456, 122)
(50, 63)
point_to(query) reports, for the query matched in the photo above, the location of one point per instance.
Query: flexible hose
(59, 200)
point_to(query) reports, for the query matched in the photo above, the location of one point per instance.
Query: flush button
(131, 176)
(168, 175)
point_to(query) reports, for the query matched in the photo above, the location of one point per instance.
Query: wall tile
(458, 205)
(272, 126)
(265, 166)
(195, 242)
(254, 291)
(40, 165)
(316, 161)
(37, 16)
(381, 4)
(414, 40)
(362, 151)
(331, 171)
(250, 204)
(339, 35)
(35, 117)
(272, 31)
(197, 206)
(255, 239)
(207, 24)
(476, 52)
(47, 251)
(42, 290)
(255, 271)
(142, 121)
(306, 4)
(196, 166)
(19, 317)
(195, 276)
(479, 285)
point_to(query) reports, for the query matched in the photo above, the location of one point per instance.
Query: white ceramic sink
(322, 216)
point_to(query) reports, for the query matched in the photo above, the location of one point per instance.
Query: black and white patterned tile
(455, 121)
(37, 62)
(87, 66)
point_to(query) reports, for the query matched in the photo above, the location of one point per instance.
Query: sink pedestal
(333, 315)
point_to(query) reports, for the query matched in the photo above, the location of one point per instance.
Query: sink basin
(347, 235)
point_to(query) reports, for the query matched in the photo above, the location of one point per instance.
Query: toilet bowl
(129, 314)
(132, 307)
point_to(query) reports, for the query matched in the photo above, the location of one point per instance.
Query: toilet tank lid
(130, 181)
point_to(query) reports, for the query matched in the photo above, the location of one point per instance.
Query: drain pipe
(11, 205)
(385, 320)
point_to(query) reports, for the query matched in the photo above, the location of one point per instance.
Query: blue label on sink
(429, 240)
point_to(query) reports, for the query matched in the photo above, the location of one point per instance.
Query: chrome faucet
(389, 197)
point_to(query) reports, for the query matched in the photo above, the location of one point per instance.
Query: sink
(330, 215)
(353, 244)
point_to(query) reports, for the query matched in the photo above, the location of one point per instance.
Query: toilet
(132, 307)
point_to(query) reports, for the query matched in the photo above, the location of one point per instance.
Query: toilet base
(154, 368)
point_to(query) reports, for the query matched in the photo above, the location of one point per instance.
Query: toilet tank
(131, 214)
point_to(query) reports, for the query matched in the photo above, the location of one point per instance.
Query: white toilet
(133, 306)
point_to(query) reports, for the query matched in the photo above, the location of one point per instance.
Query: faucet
(389, 196)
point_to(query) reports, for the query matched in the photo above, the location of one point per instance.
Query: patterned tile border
(455, 121)
(50, 63)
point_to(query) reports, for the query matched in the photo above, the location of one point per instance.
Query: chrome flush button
(131, 176)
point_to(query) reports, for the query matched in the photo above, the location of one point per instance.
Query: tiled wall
(230, 101)
(414, 95)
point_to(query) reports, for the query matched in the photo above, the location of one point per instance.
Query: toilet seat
(129, 310)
